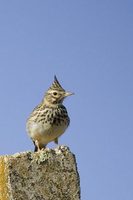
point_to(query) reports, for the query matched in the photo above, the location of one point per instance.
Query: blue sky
(89, 46)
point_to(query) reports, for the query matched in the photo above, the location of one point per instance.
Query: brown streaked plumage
(49, 120)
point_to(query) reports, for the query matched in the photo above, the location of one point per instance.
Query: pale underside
(45, 133)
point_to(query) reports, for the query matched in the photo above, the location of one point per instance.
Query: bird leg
(56, 140)
(37, 147)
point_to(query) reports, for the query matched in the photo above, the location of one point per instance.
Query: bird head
(56, 94)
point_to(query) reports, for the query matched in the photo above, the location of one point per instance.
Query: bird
(49, 119)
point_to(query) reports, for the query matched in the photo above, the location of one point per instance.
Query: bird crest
(56, 85)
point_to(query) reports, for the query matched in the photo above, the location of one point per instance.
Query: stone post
(45, 175)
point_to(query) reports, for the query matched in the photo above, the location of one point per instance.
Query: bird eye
(54, 93)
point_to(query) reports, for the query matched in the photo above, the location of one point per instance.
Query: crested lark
(49, 119)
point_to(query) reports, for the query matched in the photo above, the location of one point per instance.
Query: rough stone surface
(45, 175)
(4, 195)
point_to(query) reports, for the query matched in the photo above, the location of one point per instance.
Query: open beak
(68, 94)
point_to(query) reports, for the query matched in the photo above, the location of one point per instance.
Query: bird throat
(53, 104)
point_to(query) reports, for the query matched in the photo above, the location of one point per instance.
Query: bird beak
(68, 94)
